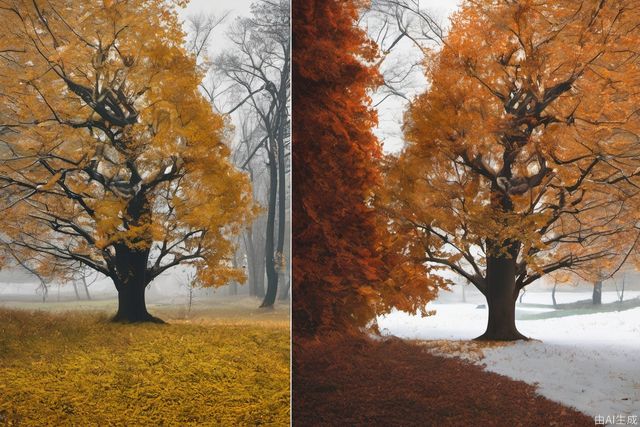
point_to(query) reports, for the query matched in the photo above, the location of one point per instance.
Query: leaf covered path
(363, 382)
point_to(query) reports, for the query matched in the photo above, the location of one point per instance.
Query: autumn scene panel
(465, 212)
(144, 255)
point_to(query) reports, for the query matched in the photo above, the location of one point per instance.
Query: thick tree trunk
(597, 293)
(131, 304)
(131, 283)
(500, 288)
(129, 269)
(501, 294)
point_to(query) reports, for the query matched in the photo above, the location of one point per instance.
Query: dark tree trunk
(130, 269)
(501, 300)
(277, 189)
(282, 209)
(501, 290)
(131, 304)
(132, 307)
(597, 293)
(270, 259)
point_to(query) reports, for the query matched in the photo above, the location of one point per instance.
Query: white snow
(589, 361)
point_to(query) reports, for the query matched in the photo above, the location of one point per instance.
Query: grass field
(220, 364)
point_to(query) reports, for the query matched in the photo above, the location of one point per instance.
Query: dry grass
(76, 368)
(472, 351)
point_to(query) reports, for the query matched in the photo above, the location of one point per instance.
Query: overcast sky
(219, 8)
(390, 111)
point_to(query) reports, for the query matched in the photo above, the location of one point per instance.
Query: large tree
(345, 270)
(522, 154)
(110, 157)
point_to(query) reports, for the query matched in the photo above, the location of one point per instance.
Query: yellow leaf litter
(78, 369)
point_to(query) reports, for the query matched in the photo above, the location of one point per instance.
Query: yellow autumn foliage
(109, 148)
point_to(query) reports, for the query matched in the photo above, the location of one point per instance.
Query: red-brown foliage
(335, 235)
(345, 265)
(356, 381)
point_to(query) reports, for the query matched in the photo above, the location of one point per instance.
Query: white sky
(390, 111)
(218, 8)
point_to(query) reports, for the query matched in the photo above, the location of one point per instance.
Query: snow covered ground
(590, 362)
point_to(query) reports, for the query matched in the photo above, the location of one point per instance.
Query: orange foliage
(525, 146)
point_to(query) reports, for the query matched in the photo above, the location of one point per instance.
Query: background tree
(254, 236)
(229, 100)
(113, 158)
(522, 154)
(258, 68)
(343, 266)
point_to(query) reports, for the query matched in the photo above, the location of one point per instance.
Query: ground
(225, 363)
(582, 356)
(350, 381)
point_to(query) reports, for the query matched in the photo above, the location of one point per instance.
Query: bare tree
(620, 292)
(258, 66)
(249, 85)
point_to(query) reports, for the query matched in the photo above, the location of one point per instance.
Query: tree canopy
(522, 155)
(109, 155)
